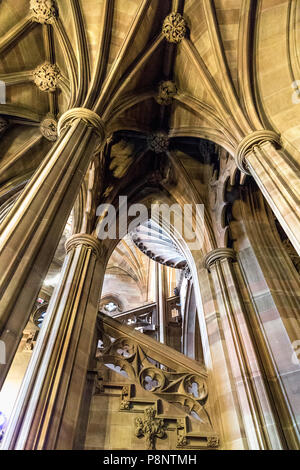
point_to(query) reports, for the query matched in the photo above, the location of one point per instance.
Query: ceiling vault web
(113, 60)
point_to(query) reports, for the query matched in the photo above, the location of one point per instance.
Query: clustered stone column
(48, 408)
(258, 154)
(252, 414)
(31, 231)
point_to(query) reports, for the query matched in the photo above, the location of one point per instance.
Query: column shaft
(248, 381)
(259, 154)
(280, 184)
(32, 229)
(47, 412)
(161, 302)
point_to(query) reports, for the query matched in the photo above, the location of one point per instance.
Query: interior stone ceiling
(122, 43)
(218, 83)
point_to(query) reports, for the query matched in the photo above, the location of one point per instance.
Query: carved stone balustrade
(157, 368)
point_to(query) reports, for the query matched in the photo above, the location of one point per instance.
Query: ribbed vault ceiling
(111, 56)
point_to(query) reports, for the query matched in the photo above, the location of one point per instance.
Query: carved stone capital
(46, 76)
(158, 142)
(43, 11)
(217, 255)
(90, 118)
(83, 239)
(166, 91)
(247, 144)
(48, 129)
(174, 27)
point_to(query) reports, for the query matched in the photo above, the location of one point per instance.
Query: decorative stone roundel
(174, 27)
(166, 91)
(46, 76)
(48, 129)
(43, 11)
(158, 142)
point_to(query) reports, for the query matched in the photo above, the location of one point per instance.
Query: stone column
(31, 231)
(245, 379)
(161, 302)
(47, 411)
(258, 154)
(273, 289)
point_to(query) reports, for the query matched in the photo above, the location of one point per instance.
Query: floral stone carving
(166, 91)
(48, 129)
(46, 76)
(43, 11)
(212, 441)
(158, 142)
(150, 427)
(174, 28)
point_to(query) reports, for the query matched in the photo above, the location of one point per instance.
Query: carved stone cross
(150, 427)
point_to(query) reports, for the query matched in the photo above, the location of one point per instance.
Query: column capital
(247, 144)
(89, 117)
(86, 240)
(217, 255)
